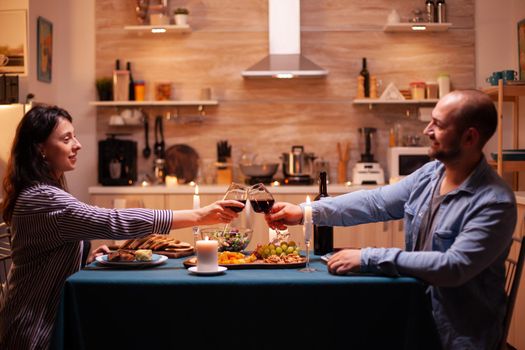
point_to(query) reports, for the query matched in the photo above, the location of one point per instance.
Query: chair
(5, 256)
(514, 267)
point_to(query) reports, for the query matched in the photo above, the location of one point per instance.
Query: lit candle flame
(196, 189)
(307, 199)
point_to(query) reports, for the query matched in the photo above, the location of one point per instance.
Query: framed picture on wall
(521, 48)
(13, 42)
(44, 49)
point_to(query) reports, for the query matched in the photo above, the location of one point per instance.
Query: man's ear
(471, 137)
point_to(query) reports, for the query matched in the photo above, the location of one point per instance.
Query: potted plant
(104, 88)
(181, 16)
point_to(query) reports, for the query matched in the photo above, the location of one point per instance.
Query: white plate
(156, 259)
(194, 270)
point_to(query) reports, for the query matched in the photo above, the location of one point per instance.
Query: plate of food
(131, 259)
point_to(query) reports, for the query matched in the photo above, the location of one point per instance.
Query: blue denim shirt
(465, 269)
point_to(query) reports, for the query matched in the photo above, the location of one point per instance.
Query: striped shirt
(48, 226)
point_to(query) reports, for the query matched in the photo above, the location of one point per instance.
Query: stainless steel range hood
(285, 59)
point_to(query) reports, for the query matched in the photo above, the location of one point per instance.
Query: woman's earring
(43, 156)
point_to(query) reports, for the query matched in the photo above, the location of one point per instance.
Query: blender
(367, 171)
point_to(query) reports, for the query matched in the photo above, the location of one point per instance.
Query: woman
(48, 225)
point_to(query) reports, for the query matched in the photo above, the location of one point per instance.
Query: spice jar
(417, 88)
(432, 89)
(140, 90)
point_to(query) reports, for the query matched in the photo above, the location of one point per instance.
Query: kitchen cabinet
(419, 27)
(507, 93)
(367, 235)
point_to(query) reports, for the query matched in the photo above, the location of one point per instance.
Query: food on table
(230, 239)
(143, 255)
(157, 242)
(235, 258)
(284, 259)
(121, 255)
(268, 250)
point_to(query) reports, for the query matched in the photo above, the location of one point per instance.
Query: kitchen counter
(218, 189)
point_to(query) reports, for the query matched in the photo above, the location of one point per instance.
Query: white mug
(3, 60)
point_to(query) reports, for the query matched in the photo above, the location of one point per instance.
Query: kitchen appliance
(298, 166)
(259, 173)
(117, 162)
(367, 171)
(402, 161)
(284, 34)
(8, 89)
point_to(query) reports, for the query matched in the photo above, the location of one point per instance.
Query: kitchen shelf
(376, 101)
(409, 27)
(509, 93)
(154, 103)
(168, 28)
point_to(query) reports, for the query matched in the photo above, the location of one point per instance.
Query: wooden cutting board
(170, 255)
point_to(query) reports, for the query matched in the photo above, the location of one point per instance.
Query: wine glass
(236, 192)
(260, 198)
(307, 230)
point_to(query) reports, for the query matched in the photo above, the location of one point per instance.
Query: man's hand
(344, 261)
(283, 214)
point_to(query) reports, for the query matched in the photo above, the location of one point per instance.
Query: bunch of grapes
(286, 248)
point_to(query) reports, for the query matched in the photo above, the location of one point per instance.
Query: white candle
(196, 198)
(171, 181)
(307, 225)
(207, 260)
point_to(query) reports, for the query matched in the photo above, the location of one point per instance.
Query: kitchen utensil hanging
(146, 152)
(158, 148)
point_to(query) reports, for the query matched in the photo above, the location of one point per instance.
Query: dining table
(167, 306)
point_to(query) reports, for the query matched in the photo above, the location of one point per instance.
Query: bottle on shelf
(364, 73)
(441, 11)
(430, 11)
(323, 235)
(443, 84)
(120, 83)
(131, 85)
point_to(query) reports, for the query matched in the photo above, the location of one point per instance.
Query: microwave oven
(402, 161)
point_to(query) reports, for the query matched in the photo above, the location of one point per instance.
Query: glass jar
(417, 88)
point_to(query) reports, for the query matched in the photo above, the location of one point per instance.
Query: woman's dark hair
(26, 166)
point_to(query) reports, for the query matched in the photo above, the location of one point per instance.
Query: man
(459, 218)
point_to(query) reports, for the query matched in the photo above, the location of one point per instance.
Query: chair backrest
(514, 267)
(5, 255)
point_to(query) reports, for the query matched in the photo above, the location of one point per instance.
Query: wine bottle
(441, 11)
(323, 235)
(364, 73)
(131, 83)
(430, 8)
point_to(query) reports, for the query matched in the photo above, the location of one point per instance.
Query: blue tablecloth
(163, 307)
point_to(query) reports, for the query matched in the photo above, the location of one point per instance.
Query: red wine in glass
(237, 209)
(262, 205)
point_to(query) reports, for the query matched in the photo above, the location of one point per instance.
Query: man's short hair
(477, 111)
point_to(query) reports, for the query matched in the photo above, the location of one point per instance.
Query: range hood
(285, 59)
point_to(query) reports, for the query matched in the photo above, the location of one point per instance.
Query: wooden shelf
(168, 28)
(153, 103)
(509, 165)
(420, 27)
(509, 92)
(376, 101)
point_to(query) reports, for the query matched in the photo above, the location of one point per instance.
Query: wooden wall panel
(268, 116)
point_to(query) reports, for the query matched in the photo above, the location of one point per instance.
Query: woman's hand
(102, 250)
(219, 212)
(344, 261)
(283, 214)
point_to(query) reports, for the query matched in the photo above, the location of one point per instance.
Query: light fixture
(284, 75)
(419, 27)
(158, 30)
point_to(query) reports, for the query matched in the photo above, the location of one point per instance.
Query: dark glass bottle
(364, 73)
(323, 235)
(430, 9)
(441, 11)
(131, 83)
